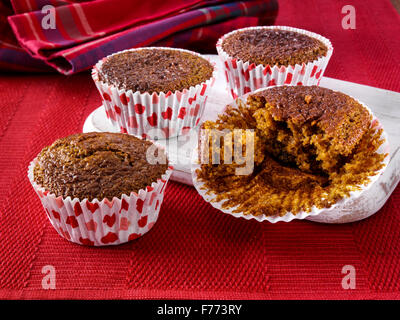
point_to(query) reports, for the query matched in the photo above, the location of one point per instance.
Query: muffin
(154, 92)
(313, 147)
(259, 57)
(101, 188)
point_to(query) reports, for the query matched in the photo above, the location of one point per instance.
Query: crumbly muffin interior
(155, 70)
(273, 47)
(97, 165)
(301, 159)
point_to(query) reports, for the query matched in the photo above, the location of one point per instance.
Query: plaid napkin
(87, 31)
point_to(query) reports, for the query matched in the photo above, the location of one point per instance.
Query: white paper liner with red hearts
(243, 77)
(105, 222)
(210, 197)
(151, 115)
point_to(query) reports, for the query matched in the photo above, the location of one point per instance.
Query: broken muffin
(312, 147)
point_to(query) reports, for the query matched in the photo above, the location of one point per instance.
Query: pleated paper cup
(244, 76)
(315, 214)
(153, 115)
(103, 222)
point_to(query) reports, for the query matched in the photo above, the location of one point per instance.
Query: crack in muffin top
(155, 70)
(273, 47)
(97, 165)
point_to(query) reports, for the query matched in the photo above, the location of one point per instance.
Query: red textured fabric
(194, 251)
(87, 31)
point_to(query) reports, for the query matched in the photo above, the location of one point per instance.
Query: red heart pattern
(86, 242)
(109, 220)
(92, 206)
(313, 71)
(226, 65)
(167, 114)
(109, 238)
(203, 89)
(91, 225)
(124, 205)
(191, 100)
(185, 130)
(154, 98)
(134, 236)
(132, 122)
(124, 224)
(246, 74)
(303, 69)
(71, 220)
(56, 214)
(289, 77)
(139, 205)
(152, 197)
(124, 99)
(77, 209)
(195, 111)
(227, 76)
(182, 113)
(59, 202)
(167, 132)
(117, 110)
(153, 120)
(267, 70)
(139, 108)
(111, 115)
(142, 222)
(108, 202)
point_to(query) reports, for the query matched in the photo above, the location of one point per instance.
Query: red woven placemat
(194, 251)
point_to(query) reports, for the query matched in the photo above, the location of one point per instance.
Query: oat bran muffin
(97, 166)
(154, 92)
(155, 70)
(313, 146)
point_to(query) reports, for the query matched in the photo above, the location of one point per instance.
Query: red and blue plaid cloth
(86, 31)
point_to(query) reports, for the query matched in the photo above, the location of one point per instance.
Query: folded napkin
(87, 31)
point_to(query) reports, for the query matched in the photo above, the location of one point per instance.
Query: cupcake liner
(289, 216)
(105, 222)
(154, 115)
(243, 77)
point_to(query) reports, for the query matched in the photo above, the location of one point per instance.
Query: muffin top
(273, 47)
(155, 70)
(97, 165)
(333, 112)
